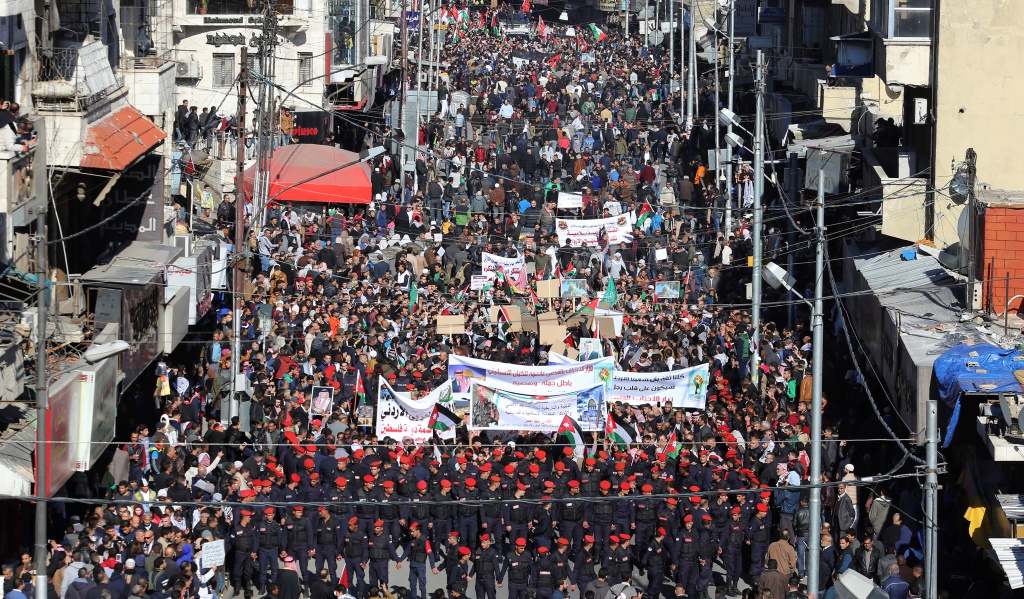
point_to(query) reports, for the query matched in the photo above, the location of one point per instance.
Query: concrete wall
(1003, 252)
(979, 92)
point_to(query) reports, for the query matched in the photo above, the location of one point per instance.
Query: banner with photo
(586, 232)
(503, 409)
(514, 269)
(686, 388)
(534, 381)
(399, 416)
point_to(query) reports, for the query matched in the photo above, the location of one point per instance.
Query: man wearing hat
(456, 566)
(519, 566)
(757, 537)
(381, 550)
(688, 554)
(271, 538)
(545, 573)
(603, 512)
(442, 512)
(419, 507)
(485, 568)
(418, 552)
(468, 512)
(388, 509)
(298, 533)
(491, 510)
(328, 542)
(655, 558)
(731, 550)
(517, 515)
(245, 544)
(584, 569)
(572, 512)
(356, 551)
(366, 506)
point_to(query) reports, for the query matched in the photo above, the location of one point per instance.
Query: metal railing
(61, 86)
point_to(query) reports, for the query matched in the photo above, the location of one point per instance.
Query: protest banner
(213, 553)
(533, 381)
(686, 388)
(569, 200)
(503, 409)
(478, 282)
(399, 416)
(514, 269)
(453, 324)
(586, 232)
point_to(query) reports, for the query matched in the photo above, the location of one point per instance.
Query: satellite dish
(656, 37)
(963, 227)
(1004, 407)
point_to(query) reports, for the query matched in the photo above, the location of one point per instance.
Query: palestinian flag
(359, 390)
(495, 28)
(445, 18)
(619, 431)
(571, 430)
(461, 295)
(463, 18)
(553, 61)
(414, 297)
(542, 29)
(645, 214)
(443, 421)
(598, 34)
(504, 322)
(569, 341)
(672, 448)
(481, 20)
(611, 296)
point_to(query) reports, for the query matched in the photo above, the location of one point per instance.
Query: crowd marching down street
(535, 138)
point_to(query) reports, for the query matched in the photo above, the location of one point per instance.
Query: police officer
(245, 544)
(485, 568)
(490, 512)
(418, 508)
(456, 566)
(381, 550)
(418, 553)
(519, 566)
(298, 533)
(655, 560)
(545, 573)
(646, 518)
(389, 509)
(468, 512)
(584, 569)
(572, 514)
(271, 538)
(356, 552)
(688, 554)
(329, 536)
(442, 512)
(561, 558)
(757, 537)
(366, 506)
(517, 514)
(731, 550)
(707, 556)
(602, 517)
(624, 559)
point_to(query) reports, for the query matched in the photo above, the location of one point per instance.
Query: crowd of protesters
(320, 506)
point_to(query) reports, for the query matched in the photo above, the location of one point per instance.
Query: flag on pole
(526, 6)
(591, 305)
(463, 18)
(569, 341)
(359, 390)
(413, 298)
(596, 328)
(619, 430)
(504, 322)
(573, 435)
(645, 214)
(553, 61)
(611, 296)
(542, 29)
(672, 448)
(343, 579)
(443, 421)
(598, 34)
(481, 21)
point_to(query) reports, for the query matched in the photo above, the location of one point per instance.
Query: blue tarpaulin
(993, 374)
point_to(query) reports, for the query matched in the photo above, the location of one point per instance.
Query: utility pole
(691, 80)
(42, 404)
(419, 73)
(755, 277)
(728, 166)
(817, 352)
(793, 191)
(672, 43)
(931, 500)
(404, 26)
(972, 228)
(238, 283)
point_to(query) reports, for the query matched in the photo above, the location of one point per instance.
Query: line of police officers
(534, 522)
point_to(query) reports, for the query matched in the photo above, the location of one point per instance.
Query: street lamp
(776, 277)
(96, 353)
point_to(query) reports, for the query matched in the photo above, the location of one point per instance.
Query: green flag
(611, 296)
(413, 297)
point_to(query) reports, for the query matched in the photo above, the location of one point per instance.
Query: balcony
(888, 170)
(150, 83)
(74, 79)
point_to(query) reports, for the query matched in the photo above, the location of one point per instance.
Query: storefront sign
(225, 39)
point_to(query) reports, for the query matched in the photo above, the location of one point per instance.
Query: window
(902, 18)
(223, 70)
(305, 68)
(252, 62)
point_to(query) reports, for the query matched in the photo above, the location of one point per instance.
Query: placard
(514, 269)
(530, 324)
(661, 254)
(399, 416)
(478, 282)
(590, 349)
(570, 200)
(515, 316)
(548, 289)
(574, 288)
(666, 290)
(551, 334)
(321, 400)
(606, 326)
(585, 233)
(454, 324)
(213, 553)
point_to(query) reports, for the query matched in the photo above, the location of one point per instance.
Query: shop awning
(116, 141)
(294, 164)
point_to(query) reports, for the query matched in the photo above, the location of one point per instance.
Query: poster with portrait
(686, 388)
(666, 290)
(492, 408)
(321, 400)
(590, 349)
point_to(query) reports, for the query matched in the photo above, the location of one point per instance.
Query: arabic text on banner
(514, 268)
(535, 381)
(502, 409)
(586, 232)
(686, 388)
(399, 416)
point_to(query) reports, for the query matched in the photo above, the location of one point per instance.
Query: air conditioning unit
(184, 242)
(189, 70)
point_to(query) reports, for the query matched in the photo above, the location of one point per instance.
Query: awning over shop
(305, 165)
(116, 141)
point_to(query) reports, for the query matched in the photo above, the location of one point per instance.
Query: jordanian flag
(645, 214)
(619, 431)
(598, 34)
(571, 430)
(672, 448)
(359, 390)
(443, 421)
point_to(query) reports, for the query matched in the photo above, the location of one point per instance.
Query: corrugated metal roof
(1010, 553)
(891, 271)
(116, 141)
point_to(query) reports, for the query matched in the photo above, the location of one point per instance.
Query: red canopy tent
(297, 162)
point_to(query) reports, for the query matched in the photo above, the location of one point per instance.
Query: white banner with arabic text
(399, 416)
(514, 269)
(586, 232)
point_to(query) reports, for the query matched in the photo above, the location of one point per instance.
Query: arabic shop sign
(235, 20)
(225, 39)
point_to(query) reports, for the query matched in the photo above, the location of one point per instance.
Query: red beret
(541, 454)
(353, 520)
(606, 485)
(688, 518)
(613, 539)
(307, 463)
(388, 484)
(314, 476)
(563, 541)
(590, 462)
(567, 451)
(647, 488)
(464, 550)
(661, 531)
(522, 487)
(534, 468)
(542, 550)
(574, 484)
(559, 466)
(706, 517)
(485, 537)
(378, 523)
(269, 510)
(737, 510)
(247, 493)
(520, 542)
(247, 512)
(445, 483)
(624, 486)
(414, 526)
(470, 482)
(762, 508)
(624, 537)
(367, 478)
(341, 481)
(421, 485)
